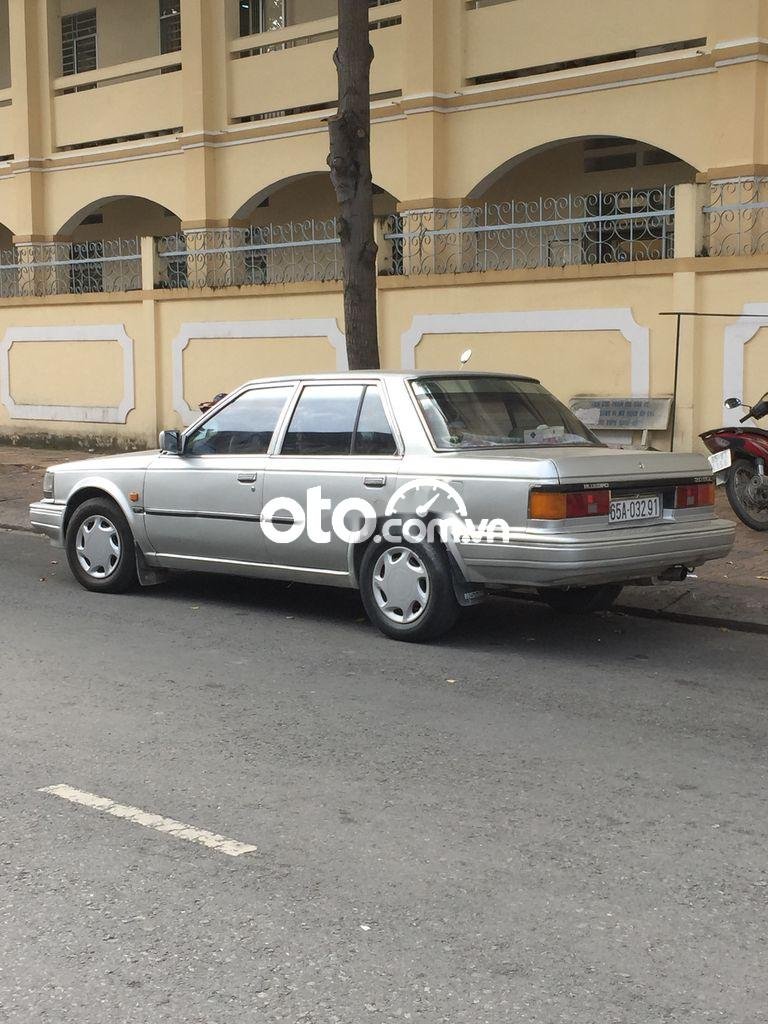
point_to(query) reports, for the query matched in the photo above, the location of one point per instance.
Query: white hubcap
(98, 547)
(400, 585)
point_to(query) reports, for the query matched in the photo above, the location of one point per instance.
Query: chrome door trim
(254, 565)
(184, 514)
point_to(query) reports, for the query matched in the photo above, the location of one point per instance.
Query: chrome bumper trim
(47, 517)
(604, 556)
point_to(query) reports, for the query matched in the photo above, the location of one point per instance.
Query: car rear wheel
(582, 600)
(407, 590)
(100, 547)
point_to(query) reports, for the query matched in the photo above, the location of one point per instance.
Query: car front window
(244, 427)
(495, 412)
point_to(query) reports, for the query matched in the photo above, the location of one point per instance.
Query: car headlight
(48, 484)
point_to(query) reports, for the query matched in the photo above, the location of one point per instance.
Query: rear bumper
(580, 559)
(48, 517)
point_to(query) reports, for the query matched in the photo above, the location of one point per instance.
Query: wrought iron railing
(606, 227)
(71, 268)
(737, 218)
(307, 250)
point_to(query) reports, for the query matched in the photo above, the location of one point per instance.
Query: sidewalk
(732, 593)
(21, 480)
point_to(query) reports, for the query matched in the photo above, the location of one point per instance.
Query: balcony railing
(307, 250)
(606, 227)
(70, 268)
(737, 218)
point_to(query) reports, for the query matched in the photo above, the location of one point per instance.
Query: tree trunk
(350, 164)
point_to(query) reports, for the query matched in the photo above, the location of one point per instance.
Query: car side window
(323, 421)
(244, 427)
(374, 434)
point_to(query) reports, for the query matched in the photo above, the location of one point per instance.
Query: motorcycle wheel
(743, 488)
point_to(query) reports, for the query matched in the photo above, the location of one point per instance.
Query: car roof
(391, 374)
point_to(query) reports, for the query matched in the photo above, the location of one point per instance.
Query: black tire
(439, 608)
(114, 565)
(740, 473)
(582, 600)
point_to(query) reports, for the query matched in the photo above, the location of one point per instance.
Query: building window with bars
(261, 16)
(78, 43)
(170, 26)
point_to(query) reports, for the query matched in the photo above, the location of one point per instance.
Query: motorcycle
(739, 458)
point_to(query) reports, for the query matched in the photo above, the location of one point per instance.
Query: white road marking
(156, 821)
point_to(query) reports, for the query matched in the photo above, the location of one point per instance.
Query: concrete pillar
(685, 298)
(432, 67)
(204, 38)
(31, 80)
(690, 219)
(41, 266)
(438, 239)
(149, 264)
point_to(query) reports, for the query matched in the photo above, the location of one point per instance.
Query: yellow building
(551, 175)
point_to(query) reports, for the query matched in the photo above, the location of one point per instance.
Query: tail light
(568, 505)
(694, 495)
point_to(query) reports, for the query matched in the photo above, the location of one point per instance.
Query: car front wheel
(407, 590)
(100, 547)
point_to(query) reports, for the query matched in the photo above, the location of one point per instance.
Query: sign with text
(600, 413)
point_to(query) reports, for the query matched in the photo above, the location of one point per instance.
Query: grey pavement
(539, 819)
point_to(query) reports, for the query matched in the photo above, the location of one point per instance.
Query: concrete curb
(736, 626)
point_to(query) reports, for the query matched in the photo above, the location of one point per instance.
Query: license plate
(632, 510)
(721, 460)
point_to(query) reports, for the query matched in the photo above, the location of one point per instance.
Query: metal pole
(674, 387)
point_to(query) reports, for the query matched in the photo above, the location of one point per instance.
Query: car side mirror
(171, 442)
(732, 403)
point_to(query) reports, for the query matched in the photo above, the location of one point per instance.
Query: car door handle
(374, 481)
(247, 478)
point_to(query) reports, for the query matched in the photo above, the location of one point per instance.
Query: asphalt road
(539, 819)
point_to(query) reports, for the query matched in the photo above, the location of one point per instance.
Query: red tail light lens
(587, 503)
(694, 495)
(575, 505)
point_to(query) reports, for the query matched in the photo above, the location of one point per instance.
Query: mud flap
(149, 575)
(466, 593)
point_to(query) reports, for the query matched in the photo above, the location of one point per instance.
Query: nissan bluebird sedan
(424, 491)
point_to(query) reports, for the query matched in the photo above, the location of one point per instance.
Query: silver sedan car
(425, 491)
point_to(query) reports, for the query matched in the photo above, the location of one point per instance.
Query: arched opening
(599, 199)
(583, 166)
(287, 232)
(6, 238)
(120, 217)
(302, 197)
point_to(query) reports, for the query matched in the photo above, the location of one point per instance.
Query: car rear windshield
(496, 412)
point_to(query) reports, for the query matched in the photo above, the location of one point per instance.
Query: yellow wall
(568, 362)
(437, 139)
(5, 51)
(435, 136)
(92, 373)
(298, 11)
(127, 29)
